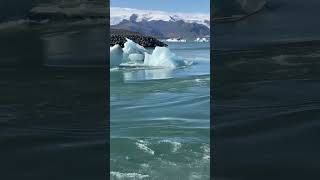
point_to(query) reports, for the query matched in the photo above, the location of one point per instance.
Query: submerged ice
(133, 53)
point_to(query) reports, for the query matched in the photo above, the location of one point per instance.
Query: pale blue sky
(199, 6)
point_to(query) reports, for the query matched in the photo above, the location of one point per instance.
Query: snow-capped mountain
(118, 14)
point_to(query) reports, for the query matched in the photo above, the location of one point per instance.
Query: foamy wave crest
(119, 175)
(175, 145)
(143, 146)
(206, 152)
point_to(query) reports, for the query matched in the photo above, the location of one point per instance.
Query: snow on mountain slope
(118, 14)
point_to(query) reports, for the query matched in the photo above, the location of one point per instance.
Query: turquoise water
(160, 118)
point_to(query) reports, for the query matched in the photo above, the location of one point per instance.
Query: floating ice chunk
(136, 57)
(161, 56)
(201, 40)
(131, 47)
(116, 55)
(175, 40)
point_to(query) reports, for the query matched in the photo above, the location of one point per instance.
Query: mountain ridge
(161, 24)
(118, 14)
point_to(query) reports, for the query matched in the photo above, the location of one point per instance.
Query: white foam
(195, 176)
(120, 175)
(143, 146)
(202, 80)
(145, 165)
(206, 152)
(175, 145)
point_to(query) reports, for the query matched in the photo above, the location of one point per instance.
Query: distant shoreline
(118, 36)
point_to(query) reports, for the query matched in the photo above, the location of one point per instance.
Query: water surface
(160, 118)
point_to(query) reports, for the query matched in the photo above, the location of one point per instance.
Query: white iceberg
(131, 47)
(133, 53)
(116, 55)
(161, 56)
(175, 40)
(201, 40)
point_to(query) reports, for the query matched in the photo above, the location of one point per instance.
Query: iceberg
(175, 40)
(201, 40)
(161, 56)
(131, 47)
(116, 55)
(133, 53)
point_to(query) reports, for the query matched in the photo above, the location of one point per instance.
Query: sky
(190, 6)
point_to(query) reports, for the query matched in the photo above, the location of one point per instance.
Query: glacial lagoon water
(160, 118)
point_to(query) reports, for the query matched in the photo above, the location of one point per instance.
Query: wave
(175, 145)
(142, 145)
(173, 157)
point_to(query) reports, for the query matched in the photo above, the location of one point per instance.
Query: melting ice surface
(135, 55)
